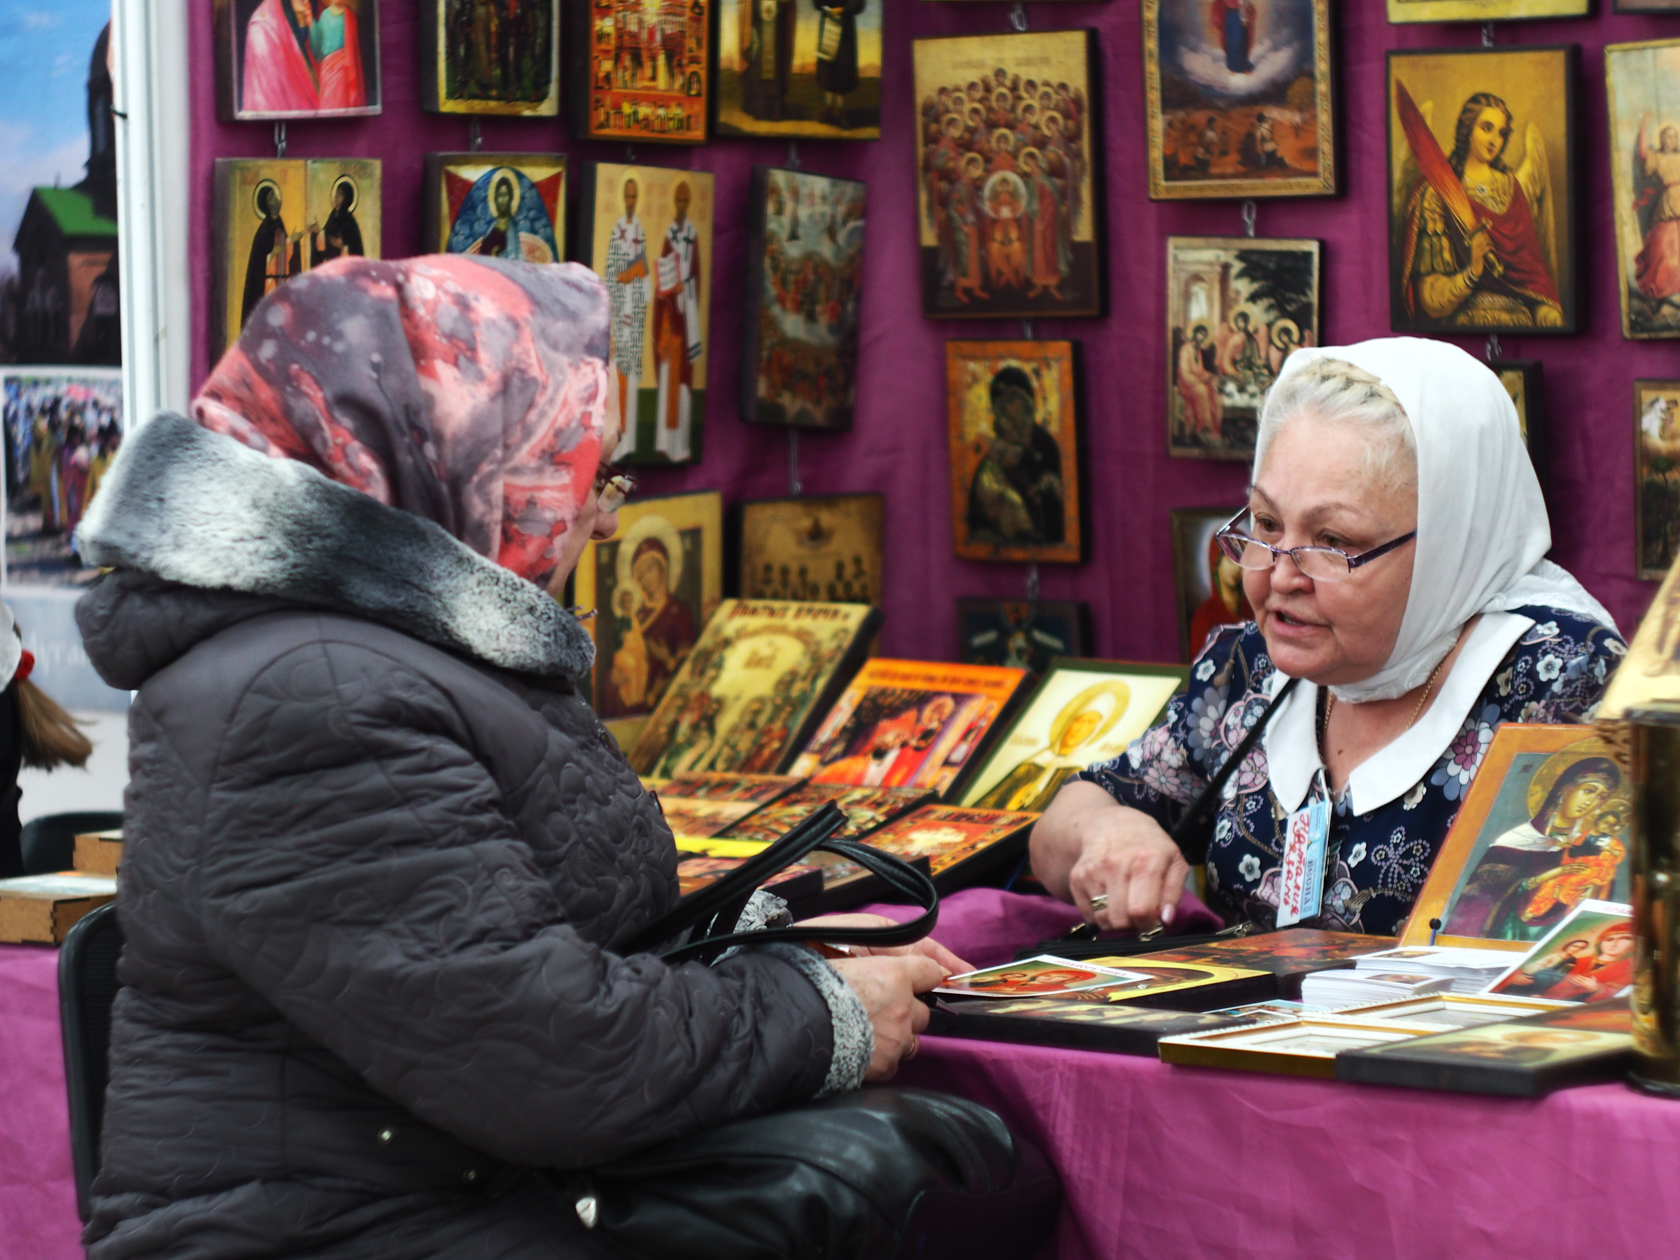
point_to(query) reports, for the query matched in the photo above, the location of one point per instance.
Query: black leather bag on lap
(879, 1173)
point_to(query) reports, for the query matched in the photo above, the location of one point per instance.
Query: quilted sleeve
(359, 873)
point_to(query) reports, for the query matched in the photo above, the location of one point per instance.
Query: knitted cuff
(764, 910)
(854, 1038)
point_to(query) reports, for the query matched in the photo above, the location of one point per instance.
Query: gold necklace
(1428, 687)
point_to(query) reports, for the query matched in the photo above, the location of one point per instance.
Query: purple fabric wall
(898, 445)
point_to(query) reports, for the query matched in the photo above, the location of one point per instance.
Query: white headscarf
(1482, 531)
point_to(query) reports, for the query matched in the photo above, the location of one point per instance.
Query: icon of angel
(1479, 245)
(1657, 202)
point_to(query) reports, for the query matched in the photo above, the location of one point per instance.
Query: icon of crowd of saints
(648, 68)
(1571, 847)
(808, 310)
(1005, 170)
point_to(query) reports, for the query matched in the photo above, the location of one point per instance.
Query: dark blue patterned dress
(1377, 861)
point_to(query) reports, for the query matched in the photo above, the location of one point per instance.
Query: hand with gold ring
(1115, 863)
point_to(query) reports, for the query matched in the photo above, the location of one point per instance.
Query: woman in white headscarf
(1393, 551)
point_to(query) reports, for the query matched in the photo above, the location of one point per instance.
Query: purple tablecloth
(1159, 1163)
(37, 1189)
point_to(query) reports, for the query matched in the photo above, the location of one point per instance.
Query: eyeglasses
(1321, 564)
(613, 486)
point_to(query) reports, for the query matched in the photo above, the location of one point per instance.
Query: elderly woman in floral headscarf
(377, 847)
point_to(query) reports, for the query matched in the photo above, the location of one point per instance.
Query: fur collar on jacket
(200, 509)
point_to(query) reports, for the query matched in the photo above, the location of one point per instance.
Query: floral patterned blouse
(1376, 862)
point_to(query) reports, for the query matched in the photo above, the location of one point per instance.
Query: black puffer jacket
(368, 887)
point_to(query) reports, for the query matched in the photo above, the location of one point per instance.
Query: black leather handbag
(882, 1172)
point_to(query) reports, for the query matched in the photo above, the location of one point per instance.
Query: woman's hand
(1087, 846)
(887, 987)
(927, 947)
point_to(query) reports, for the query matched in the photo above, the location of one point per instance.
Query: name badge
(1306, 835)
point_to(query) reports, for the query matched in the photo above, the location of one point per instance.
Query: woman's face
(1487, 137)
(1313, 491)
(1582, 798)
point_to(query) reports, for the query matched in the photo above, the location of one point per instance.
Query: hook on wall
(796, 486)
(1026, 330)
(1032, 581)
(1487, 34)
(279, 139)
(1018, 16)
(475, 136)
(1250, 215)
(793, 155)
(1493, 349)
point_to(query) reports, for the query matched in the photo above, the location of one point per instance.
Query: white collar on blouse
(1291, 738)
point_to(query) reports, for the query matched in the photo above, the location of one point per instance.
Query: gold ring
(1099, 903)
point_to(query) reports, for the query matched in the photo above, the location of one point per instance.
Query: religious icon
(1209, 583)
(1081, 713)
(1402, 11)
(1239, 98)
(1524, 382)
(958, 843)
(1544, 827)
(1014, 463)
(655, 583)
(865, 808)
(490, 57)
(908, 724)
(1236, 309)
(296, 59)
(753, 687)
(1656, 481)
(818, 547)
(647, 231)
(496, 205)
(62, 428)
(1481, 214)
(1587, 957)
(1643, 82)
(800, 317)
(791, 70)
(1021, 634)
(276, 218)
(1521, 1058)
(1008, 195)
(642, 70)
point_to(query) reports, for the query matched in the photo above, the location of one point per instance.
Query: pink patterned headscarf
(472, 392)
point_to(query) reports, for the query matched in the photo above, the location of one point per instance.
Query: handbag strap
(711, 914)
(1196, 852)
(899, 875)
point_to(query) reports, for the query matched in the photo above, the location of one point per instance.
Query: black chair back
(49, 842)
(87, 988)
